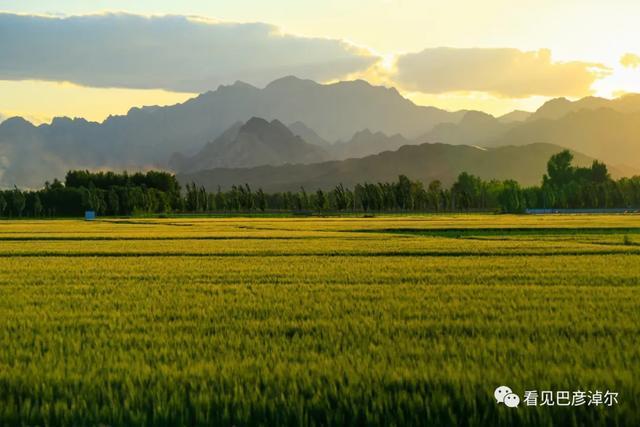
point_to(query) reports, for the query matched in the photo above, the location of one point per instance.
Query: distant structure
(89, 215)
(582, 211)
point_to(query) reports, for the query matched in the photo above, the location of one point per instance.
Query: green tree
(559, 169)
(261, 200)
(18, 202)
(321, 202)
(511, 198)
(466, 191)
(434, 195)
(403, 193)
(37, 205)
(340, 198)
(113, 202)
(3, 204)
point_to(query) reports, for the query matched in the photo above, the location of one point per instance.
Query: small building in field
(89, 215)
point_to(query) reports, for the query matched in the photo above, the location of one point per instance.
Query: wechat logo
(504, 394)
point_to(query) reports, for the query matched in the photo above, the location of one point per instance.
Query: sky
(92, 59)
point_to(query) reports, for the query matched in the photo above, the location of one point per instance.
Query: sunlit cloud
(501, 72)
(622, 80)
(630, 60)
(152, 59)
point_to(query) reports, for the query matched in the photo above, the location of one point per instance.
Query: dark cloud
(169, 52)
(502, 72)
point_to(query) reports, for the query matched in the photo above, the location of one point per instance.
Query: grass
(281, 321)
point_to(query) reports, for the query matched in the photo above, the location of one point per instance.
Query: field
(317, 321)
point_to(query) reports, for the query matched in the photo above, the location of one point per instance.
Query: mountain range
(149, 136)
(365, 143)
(475, 128)
(338, 121)
(606, 134)
(560, 107)
(425, 162)
(259, 142)
(608, 130)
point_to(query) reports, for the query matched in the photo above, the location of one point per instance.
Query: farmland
(394, 320)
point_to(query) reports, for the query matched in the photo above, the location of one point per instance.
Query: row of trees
(109, 193)
(403, 195)
(563, 187)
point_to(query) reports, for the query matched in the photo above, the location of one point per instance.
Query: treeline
(564, 186)
(107, 193)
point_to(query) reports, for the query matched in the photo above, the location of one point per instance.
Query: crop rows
(305, 326)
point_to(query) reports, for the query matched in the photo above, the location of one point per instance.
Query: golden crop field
(318, 321)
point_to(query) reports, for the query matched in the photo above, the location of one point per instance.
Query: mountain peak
(560, 107)
(476, 117)
(515, 116)
(556, 101)
(68, 121)
(143, 109)
(366, 143)
(301, 125)
(275, 123)
(150, 135)
(16, 122)
(263, 129)
(255, 123)
(257, 142)
(364, 133)
(553, 109)
(239, 84)
(290, 82)
(307, 134)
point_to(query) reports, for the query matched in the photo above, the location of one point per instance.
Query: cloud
(501, 72)
(164, 52)
(630, 60)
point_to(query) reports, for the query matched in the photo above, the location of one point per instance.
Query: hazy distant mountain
(256, 142)
(560, 107)
(515, 116)
(611, 133)
(424, 162)
(475, 128)
(308, 134)
(366, 143)
(336, 111)
(29, 155)
(259, 142)
(147, 137)
(608, 135)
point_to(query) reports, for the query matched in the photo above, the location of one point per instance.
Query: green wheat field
(393, 320)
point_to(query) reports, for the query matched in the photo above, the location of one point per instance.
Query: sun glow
(67, 99)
